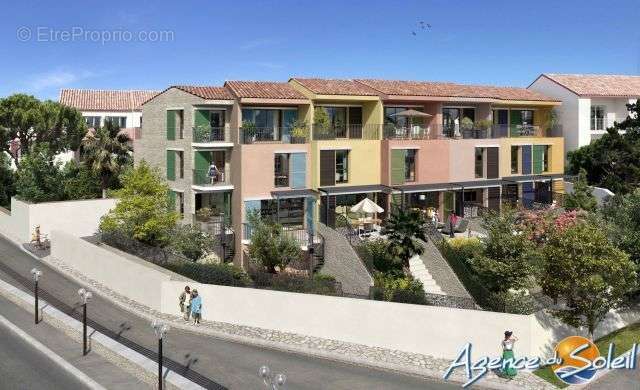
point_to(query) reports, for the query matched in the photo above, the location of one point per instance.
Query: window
(180, 123)
(479, 162)
(410, 165)
(118, 121)
(545, 158)
(180, 157)
(470, 196)
(181, 202)
(401, 121)
(597, 118)
(281, 170)
(342, 166)
(287, 212)
(515, 157)
(527, 117)
(92, 121)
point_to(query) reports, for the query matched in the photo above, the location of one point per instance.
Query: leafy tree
(31, 121)
(107, 152)
(622, 212)
(612, 161)
(142, 211)
(403, 229)
(270, 247)
(378, 256)
(582, 266)
(7, 181)
(508, 260)
(582, 196)
(80, 182)
(39, 176)
(192, 242)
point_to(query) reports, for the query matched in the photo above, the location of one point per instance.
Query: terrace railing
(254, 135)
(201, 177)
(346, 131)
(440, 131)
(206, 134)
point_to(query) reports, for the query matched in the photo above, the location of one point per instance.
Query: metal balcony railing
(204, 134)
(201, 177)
(440, 131)
(287, 135)
(347, 131)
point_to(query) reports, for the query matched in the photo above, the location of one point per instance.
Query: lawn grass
(622, 339)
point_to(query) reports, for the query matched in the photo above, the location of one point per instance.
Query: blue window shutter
(526, 159)
(311, 207)
(298, 170)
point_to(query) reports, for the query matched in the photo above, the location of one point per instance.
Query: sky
(49, 45)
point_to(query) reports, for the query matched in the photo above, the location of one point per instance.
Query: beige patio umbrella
(367, 206)
(411, 113)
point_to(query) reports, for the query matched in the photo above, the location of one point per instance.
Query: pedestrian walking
(185, 302)
(453, 222)
(196, 307)
(507, 354)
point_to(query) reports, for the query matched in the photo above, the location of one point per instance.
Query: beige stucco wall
(462, 158)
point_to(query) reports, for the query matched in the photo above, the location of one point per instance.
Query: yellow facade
(556, 157)
(364, 161)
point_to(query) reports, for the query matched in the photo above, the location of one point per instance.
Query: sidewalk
(93, 365)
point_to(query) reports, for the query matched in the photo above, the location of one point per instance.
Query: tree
(622, 212)
(80, 182)
(107, 152)
(508, 260)
(270, 247)
(7, 181)
(192, 242)
(39, 176)
(584, 268)
(31, 121)
(582, 196)
(612, 161)
(403, 229)
(142, 211)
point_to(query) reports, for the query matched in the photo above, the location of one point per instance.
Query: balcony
(201, 178)
(439, 131)
(347, 131)
(208, 134)
(279, 135)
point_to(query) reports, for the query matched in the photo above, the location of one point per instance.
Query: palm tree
(402, 230)
(107, 152)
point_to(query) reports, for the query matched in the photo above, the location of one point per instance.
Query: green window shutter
(202, 161)
(171, 200)
(397, 166)
(538, 151)
(171, 165)
(201, 119)
(516, 120)
(171, 125)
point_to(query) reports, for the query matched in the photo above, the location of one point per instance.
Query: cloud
(57, 78)
(257, 43)
(269, 65)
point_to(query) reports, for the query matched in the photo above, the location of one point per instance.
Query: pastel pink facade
(432, 160)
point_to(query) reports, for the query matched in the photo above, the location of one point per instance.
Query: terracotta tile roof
(205, 92)
(263, 90)
(105, 100)
(444, 89)
(598, 84)
(336, 87)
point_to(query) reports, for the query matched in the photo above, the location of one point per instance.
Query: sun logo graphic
(576, 355)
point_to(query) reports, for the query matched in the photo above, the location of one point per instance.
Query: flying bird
(422, 26)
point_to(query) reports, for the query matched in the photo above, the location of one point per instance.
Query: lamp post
(160, 329)
(272, 381)
(84, 296)
(36, 273)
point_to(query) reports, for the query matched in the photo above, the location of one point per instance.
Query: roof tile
(263, 90)
(206, 92)
(598, 84)
(336, 87)
(105, 100)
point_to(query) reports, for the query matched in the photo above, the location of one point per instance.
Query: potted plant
(299, 132)
(321, 123)
(483, 125)
(249, 131)
(204, 214)
(466, 124)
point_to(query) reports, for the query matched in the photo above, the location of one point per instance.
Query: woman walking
(196, 307)
(507, 354)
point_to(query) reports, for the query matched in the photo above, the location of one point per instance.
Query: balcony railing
(347, 131)
(201, 177)
(285, 135)
(300, 235)
(439, 131)
(205, 134)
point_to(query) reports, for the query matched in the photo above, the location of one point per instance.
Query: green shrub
(220, 274)
(516, 302)
(398, 289)
(377, 256)
(409, 296)
(322, 285)
(464, 248)
(191, 242)
(80, 182)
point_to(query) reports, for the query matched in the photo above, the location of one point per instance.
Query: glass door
(500, 123)
(216, 121)
(450, 121)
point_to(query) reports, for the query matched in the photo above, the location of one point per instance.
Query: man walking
(185, 303)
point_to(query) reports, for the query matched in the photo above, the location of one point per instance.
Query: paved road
(24, 367)
(230, 365)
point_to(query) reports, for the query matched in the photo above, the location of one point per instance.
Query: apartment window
(180, 158)
(288, 212)
(345, 121)
(180, 123)
(527, 117)
(515, 159)
(281, 170)
(545, 158)
(410, 165)
(479, 160)
(401, 121)
(342, 166)
(598, 117)
(471, 196)
(118, 121)
(92, 121)
(180, 196)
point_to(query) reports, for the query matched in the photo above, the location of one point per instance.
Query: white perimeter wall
(601, 194)
(78, 217)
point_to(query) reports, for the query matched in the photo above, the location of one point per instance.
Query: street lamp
(84, 296)
(160, 329)
(272, 381)
(36, 273)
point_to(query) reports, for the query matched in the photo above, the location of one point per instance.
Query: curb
(54, 357)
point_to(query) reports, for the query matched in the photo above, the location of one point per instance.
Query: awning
(345, 190)
(303, 193)
(527, 178)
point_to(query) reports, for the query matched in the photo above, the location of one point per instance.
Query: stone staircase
(420, 272)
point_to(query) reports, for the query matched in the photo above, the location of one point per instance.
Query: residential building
(590, 103)
(305, 151)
